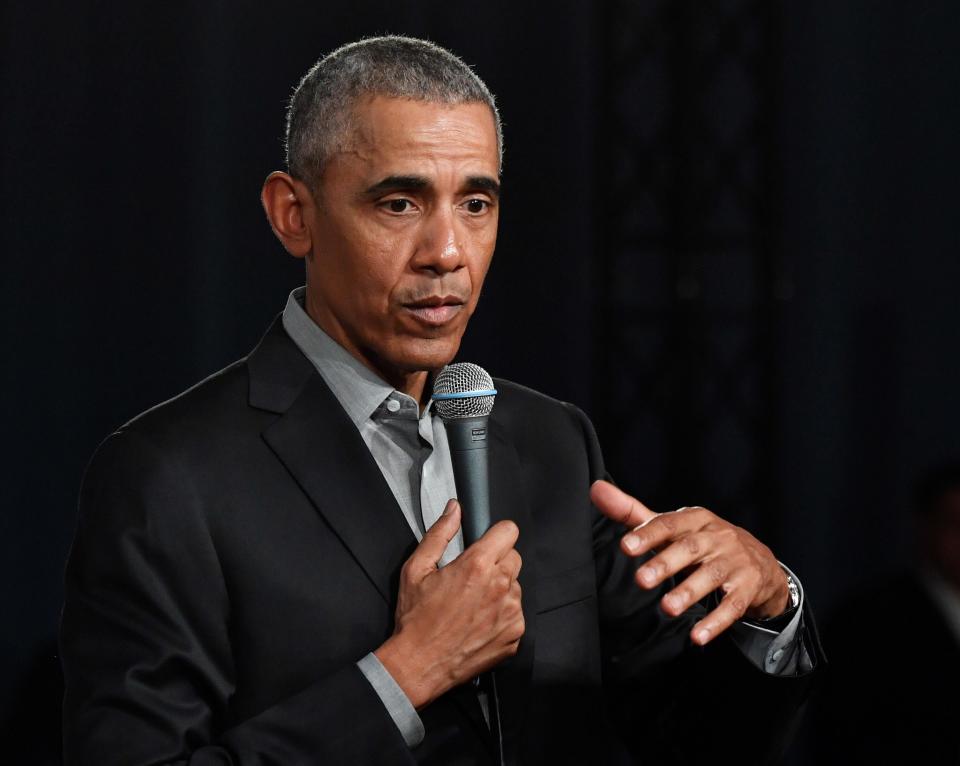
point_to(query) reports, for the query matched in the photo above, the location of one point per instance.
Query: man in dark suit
(268, 568)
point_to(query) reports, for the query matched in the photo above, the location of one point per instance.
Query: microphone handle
(467, 438)
(468, 452)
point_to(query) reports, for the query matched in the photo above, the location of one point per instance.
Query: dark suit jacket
(238, 551)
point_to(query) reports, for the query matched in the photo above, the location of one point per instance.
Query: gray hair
(401, 67)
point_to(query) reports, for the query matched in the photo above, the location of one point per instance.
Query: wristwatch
(793, 590)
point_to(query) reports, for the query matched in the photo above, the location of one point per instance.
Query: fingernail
(451, 504)
(647, 575)
(674, 602)
(703, 636)
(631, 543)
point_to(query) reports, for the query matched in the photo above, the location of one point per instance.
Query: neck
(413, 384)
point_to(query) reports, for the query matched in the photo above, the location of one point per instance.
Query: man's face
(403, 232)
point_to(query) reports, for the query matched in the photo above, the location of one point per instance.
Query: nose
(439, 249)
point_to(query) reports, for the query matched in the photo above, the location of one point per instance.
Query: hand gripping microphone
(463, 395)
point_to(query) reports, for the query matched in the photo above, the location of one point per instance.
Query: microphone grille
(463, 390)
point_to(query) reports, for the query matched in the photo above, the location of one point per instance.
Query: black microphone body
(463, 394)
(467, 438)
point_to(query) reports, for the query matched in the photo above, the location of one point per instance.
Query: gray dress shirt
(411, 450)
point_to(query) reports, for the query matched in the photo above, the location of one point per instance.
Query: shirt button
(393, 405)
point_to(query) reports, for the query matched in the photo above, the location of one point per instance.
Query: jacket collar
(323, 451)
(278, 370)
(359, 389)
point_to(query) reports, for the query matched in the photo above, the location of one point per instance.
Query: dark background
(728, 233)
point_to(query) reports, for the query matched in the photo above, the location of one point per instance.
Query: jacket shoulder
(517, 398)
(188, 448)
(216, 403)
(539, 424)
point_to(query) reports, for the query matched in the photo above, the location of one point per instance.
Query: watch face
(794, 592)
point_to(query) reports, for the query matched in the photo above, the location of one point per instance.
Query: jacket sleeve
(145, 639)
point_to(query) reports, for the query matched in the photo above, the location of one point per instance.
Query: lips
(435, 310)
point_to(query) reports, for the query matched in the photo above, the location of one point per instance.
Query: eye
(477, 206)
(399, 205)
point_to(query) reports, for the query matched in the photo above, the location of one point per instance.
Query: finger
(496, 541)
(704, 580)
(510, 563)
(616, 504)
(436, 539)
(664, 528)
(690, 549)
(731, 608)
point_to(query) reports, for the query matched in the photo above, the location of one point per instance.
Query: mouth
(436, 310)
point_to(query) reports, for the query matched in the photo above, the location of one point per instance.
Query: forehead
(399, 135)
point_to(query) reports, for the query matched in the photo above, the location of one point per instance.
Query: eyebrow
(415, 183)
(484, 183)
(397, 183)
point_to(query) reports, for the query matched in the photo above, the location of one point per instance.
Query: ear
(288, 204)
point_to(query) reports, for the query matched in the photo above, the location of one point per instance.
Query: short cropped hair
(320, 110)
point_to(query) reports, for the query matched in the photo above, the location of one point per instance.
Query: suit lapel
(323, 451)
(507, 501)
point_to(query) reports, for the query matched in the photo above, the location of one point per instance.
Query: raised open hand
(718, 555)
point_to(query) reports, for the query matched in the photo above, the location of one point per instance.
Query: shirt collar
(358, 389)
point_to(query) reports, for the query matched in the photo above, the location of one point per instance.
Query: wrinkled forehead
(379, 124)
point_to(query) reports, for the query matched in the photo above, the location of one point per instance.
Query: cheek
(479, 268)
(484, 236)
(384, 274)
(372, 269)
(483, 241)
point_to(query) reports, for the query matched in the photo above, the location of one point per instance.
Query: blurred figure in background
(893, 685)
(30, 731)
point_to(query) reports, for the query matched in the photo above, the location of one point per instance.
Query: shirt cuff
(397, 703)
(777, 653)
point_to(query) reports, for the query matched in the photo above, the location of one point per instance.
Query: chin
(427, 354)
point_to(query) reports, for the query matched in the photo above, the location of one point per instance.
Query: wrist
(786, 600)
(774, 606)
(407, 669)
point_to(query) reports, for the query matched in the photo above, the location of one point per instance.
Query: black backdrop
(137, 260)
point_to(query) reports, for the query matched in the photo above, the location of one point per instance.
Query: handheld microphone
(463, 395)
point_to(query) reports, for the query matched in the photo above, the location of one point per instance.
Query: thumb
(437, 538)
(616, 504)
